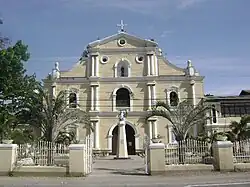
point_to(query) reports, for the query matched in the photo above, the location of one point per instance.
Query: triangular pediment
(131, 41)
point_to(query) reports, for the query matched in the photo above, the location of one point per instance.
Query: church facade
(120, 72)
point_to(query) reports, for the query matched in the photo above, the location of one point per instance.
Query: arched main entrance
(130, 136)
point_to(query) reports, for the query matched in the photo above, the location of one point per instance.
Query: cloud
(223, 75)
(166, 33)
(139, 6)
(183, 4)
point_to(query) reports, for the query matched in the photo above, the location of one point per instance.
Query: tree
(240, 129)
(3, 40)
(182, 118)
(15, 85)
(52, 115)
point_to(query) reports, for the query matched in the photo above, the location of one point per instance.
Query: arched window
(214, 114)
(72, 100)
(174, 100)
(123, 69)
(122, 98)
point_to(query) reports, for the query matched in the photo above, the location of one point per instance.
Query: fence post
(77, 160)
(156, 156)
(223, 156)
(8, 154)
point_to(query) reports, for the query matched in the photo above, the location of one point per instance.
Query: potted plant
(221, 136)
(157, 139)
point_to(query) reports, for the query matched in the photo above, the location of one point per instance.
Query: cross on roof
(122, 25)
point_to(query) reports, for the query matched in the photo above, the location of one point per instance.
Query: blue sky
(214, 34)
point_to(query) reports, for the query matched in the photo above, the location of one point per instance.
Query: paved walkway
(108, 166)
(122, 173)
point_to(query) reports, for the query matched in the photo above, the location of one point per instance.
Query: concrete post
(223, 156)
(8, 154)
(77, 162)
(156, 156)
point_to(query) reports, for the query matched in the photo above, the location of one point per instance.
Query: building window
(121, 42)
(104, 59)
(214, 114)
(123, 98)
(72, 100)
(123, 69)
(235, 109)
(174, 100)
(139, 59)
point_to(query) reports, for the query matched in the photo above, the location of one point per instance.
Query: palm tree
(182, 118)
(240, 129)
(52, 115)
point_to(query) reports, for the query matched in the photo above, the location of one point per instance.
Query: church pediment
(122, 40)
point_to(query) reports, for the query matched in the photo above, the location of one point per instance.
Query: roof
(119, 35)
(245, 92)
(227, 98)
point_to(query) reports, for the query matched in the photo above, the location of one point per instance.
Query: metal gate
(146, 144)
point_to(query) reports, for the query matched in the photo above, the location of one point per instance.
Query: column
(67, 98)
(129, 70)
(153, 94)
(77, 132)
(148, 65)
(115, 71)
(149, 97)
(97, 66)
(110, 142)
(96, 134)
(77, 100)
(193, 92)
(97, 89)
(131, 102)
(192, 83)
(93, 66)
(156, 65)
(137, 142)
(170, 131)
(154, 129)
(152, 65)
(114, 102)
(150, 129)
(53, 90)
(92, 99)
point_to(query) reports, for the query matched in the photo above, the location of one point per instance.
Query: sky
(213, 34)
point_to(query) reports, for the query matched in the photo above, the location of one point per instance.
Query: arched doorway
(130, 136)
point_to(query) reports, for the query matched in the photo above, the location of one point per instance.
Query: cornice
(167, 78)
(123, 50)
(96, 114)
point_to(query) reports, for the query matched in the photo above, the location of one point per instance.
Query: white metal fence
(43, 153)
(188, 151)
(241, 151)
